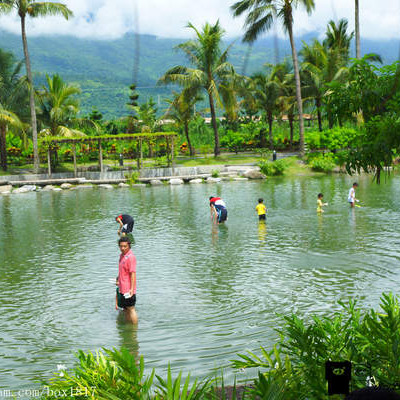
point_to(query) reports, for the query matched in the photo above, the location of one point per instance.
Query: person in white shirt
(352, 194)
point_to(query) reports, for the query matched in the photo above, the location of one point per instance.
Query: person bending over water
(219, 213)
(126, 223)
(127, 279)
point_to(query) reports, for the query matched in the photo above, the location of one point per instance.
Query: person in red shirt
(127, 279)
(126, 223)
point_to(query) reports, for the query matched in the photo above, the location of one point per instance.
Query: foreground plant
(294, 368)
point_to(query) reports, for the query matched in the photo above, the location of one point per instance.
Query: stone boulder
(5, 189)
(254, 174)
(66, 186)
(86, 186)
(213, 180)
(25, 189)
(155, 182)
(197, 180)
(106, 186)
(47, 188)
(123, 185)
(176, 181)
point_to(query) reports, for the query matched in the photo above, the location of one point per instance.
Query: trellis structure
(169, 137)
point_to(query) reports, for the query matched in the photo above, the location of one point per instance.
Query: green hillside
(104, 69)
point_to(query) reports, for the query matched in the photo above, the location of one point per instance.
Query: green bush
(322, 162)
(369, 339)
(234, 141)
(332, 139)
(273, 168)
(117, 375)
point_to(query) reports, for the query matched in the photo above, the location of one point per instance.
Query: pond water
(205, 292)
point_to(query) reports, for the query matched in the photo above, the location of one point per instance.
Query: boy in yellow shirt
(320, 203)
(261, 210)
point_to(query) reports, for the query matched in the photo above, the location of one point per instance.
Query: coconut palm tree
(260, 17)
(266, 92)
(287, 102)
(13, 100)
(324, 62)
(338, 39)
(357, 29)
(182, 110)
(7, 118)
(33, 9)
(210, 68)
(59, 108)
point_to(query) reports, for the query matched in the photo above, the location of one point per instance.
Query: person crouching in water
(126, 223)
(219, 213)
(127, 279)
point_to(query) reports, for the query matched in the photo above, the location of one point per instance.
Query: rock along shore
(110, 179)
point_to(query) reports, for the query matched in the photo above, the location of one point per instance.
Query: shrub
(132, 177)
(234, 141)
(273, 168)
(112, 374)
(215, 173)
(295, 365)
(322, 162)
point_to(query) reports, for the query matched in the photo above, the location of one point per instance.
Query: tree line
(321, 78)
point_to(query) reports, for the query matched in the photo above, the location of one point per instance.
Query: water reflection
(262, 231)
(128, 334)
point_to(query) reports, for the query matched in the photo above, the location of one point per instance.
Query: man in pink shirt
(127, 279)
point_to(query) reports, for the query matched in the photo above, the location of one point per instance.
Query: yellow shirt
(319, 205)
(261, 209)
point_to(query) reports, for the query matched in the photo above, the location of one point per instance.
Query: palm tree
(13, 100)
(266, 92)
(338, 39)
(260, 16)
(287, 102)
(31, 8)
(182, 111)
(209, 71)
(325, 62)
(59, 108)
(7, 118)
(357, 29)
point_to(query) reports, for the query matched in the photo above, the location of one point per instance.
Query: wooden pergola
(140, 138)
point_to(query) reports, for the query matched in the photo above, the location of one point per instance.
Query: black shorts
(261, 217)
(222, 213)
(128, 302)
(129, 227)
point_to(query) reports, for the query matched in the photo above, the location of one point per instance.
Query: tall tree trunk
(3, 147)
(31, 98)
(298, 86)
(191, 149)
(319, 116)
(291, 119)
(270, 120)
(217, 150)
(357, 29)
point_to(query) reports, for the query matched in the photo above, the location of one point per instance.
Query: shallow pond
(205, 292)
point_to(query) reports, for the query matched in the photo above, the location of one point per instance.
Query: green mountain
(105, 69)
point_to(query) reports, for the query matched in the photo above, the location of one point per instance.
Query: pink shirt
(127, 265)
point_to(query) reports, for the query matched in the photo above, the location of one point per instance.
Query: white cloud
(106, 19)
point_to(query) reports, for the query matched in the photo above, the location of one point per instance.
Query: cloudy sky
(104, 19)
